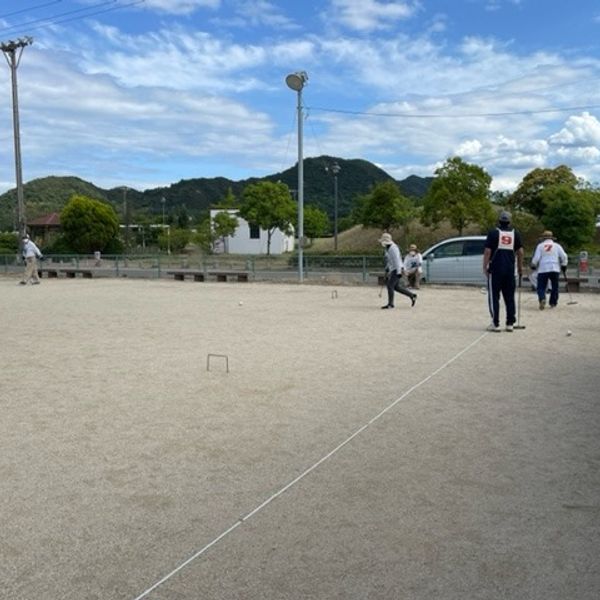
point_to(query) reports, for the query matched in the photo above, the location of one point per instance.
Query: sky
(145, 93)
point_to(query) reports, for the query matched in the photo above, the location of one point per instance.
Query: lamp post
(13, 51)
(126, 215)
(335, 169)
(297, 81)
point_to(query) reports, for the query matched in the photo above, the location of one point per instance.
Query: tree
(460, 193)
(174, 239)
(224, 225)
(316, 222)
(385, 207)
(88, 225)
(528, 195)
(569, 214)
(269, 206)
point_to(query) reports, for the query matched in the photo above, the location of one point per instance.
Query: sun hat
(547, 234)
(385, 239)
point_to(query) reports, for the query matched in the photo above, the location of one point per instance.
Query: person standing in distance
(549, 259)
(30, 255)
(413, 262)
(393, 271)
(502, 245)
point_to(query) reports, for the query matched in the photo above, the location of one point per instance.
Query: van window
(449, 250)
(474, 248)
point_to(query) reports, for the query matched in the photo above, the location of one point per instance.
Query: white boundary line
(307, 471)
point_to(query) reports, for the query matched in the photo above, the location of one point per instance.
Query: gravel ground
(348, 452)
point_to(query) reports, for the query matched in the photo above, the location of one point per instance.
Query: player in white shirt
(30, 255)
(549, 259)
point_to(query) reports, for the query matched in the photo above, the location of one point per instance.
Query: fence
(316, 268)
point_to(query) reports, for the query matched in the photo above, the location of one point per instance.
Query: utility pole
(126, 213)
(335, 169)
(12, 52)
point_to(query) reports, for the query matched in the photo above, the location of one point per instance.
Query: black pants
(502, 283)
(394, 283)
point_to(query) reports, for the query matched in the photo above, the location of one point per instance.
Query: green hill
(356, 178)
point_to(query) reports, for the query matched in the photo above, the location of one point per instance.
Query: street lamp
(335, 169)
(163, 200)
(126, 215)
(13, 51)
(297, 81)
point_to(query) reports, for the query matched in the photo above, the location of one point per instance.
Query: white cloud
(179, 7)
(579, 130)
(262, 12)
(370, 15)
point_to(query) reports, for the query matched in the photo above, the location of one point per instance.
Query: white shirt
(413, 262)
(549, 257)
(30, 250)
(393, 258)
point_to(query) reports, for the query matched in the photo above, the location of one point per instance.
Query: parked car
(455, 260)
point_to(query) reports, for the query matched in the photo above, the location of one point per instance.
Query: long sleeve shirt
(393, 258)
(30, 250)
(549, 257)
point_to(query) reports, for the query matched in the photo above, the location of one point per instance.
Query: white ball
(240, 303)
(569, 332)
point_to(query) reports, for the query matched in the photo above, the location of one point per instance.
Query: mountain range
(356, 178)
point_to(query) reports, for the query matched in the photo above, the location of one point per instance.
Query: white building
(250, 239)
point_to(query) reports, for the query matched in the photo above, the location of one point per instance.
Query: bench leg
(70, 274)
(221, 277)
(198, 277)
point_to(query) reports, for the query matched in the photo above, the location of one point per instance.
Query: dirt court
(348, 453)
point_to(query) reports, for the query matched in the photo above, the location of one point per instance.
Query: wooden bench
(51, 272)
(72, 272)
(181, 274)
(224, 275)
(573, 283)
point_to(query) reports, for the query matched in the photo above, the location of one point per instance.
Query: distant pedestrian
(30, 255)
(549, 259)
(502, 245)
(393, 271)
(413, 262)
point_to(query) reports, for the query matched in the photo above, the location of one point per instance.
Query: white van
(455, 260)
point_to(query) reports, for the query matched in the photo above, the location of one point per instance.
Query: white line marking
(309, 470)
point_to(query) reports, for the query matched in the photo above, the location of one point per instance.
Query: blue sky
(145, 93)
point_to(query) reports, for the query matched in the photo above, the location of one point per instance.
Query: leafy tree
(385, 207)
(88, 225)
(204, 236)
(460, 193)
(269, 206)
(174, 239)
(9, 243)
(569, 214)
(228, 201)
(316, 222)
(183, 218)
(224, 225)
(528, 195)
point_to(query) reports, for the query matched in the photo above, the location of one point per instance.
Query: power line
(64, 14)
(23, 10)
(453, 115)
(54, 20)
